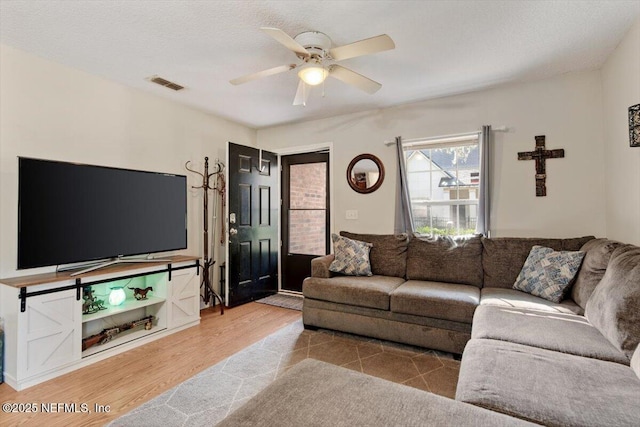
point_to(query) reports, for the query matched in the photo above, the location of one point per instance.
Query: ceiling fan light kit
(314, 49)
(313, 76)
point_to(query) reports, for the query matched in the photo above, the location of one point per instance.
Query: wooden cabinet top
(39, 279)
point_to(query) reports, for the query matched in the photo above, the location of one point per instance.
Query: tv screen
(70, 212)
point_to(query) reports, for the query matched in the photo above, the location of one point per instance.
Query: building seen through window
(444, 182)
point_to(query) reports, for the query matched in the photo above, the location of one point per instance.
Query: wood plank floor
(129, 379)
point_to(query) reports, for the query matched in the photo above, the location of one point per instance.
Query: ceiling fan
(318, 61)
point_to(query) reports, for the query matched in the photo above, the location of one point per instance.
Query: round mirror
(365, 173)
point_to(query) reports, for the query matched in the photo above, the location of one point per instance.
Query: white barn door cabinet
(46, 331)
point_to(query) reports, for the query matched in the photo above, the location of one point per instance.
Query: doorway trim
(303, 149)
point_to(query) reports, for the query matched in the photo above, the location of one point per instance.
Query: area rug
(281, 300)
(210, 396)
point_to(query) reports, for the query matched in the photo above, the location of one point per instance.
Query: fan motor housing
(315, 42)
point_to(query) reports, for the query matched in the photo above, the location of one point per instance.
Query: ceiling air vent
(166, 83)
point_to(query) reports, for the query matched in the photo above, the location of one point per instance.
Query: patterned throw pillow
(351, 256)
(547, 273)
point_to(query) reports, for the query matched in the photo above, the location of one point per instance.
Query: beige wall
(621, 89)
(53, 112)
(567, 109)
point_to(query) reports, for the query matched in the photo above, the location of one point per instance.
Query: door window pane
(307, 208)
(308, 186)
(307, 232)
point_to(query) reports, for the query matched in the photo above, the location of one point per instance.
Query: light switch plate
(352, 214)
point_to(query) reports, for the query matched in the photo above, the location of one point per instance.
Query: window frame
(439, 142)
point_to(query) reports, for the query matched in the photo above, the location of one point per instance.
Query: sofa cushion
(614, 306)
(372, 291)
(567, 333)
(437, 334)
(436, 299)
(433, 323)
(389, 252)
(503, 257)
(444, 259)
(351, 257)
(513, 298)
(597, 255)
(547, 273)
(548, 387)
(316, 394)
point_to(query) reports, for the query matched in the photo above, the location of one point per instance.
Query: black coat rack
(209, 294)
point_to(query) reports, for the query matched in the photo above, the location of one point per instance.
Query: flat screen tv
(69, 212)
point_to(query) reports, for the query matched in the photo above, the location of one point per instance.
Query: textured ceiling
(442, 47)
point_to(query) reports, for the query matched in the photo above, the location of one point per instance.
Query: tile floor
(211, 395)
(421, 368)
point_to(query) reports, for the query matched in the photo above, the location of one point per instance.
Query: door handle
(233, 231)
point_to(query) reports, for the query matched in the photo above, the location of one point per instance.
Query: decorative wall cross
(540, 155)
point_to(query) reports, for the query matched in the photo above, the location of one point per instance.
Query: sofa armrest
(320, 266)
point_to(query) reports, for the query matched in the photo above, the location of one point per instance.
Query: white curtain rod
(453, 136)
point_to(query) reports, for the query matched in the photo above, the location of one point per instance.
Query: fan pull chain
(324, 69)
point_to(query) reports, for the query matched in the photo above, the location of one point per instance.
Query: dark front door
(253, 224)
(305, 215)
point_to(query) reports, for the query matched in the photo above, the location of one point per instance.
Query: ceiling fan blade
(286, 40)
(302, 94)
(263, 73)
(363, 47)
(351, 77)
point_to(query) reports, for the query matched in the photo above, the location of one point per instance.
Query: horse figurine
(140, 294)
(91, 304)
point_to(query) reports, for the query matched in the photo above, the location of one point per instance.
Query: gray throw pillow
(547, 273)
(445, 259)
(614, 306)
(597, 255)
(351, 257)
(389, 252)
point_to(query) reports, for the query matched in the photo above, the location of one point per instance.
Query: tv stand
(46, 316)
(104, 264)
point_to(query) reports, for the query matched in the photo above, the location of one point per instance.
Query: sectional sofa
(524, 359)
(564, 363)
(559, 368)
(425, 292)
